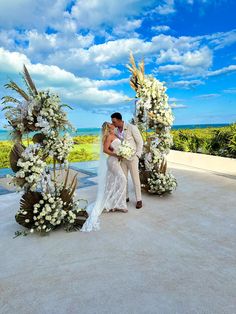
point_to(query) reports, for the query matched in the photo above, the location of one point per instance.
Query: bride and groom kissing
(112, 194)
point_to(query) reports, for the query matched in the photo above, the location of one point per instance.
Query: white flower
(126, 151)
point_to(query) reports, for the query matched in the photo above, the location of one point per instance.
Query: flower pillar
(154, 118)
(47, 202)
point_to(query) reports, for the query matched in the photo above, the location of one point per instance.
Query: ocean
(4, 135)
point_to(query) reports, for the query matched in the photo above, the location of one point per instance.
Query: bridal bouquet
(126, 151)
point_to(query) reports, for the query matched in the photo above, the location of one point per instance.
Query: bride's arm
(106, 146)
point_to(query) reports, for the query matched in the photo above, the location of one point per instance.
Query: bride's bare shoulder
(109, 137)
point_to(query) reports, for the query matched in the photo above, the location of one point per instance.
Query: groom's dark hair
(116, 115)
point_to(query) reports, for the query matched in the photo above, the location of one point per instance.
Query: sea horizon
(5, 135)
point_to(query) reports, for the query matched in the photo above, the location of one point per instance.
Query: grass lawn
(85, 148)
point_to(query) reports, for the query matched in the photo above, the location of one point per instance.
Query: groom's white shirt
(132, 135)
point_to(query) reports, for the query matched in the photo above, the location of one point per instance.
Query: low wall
(202, 161)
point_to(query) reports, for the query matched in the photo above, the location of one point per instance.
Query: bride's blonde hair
(105, 131)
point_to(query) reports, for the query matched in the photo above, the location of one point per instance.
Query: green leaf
(7, 99)
(7, 107)
(65, 105)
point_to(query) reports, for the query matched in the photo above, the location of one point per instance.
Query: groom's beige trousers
(132, 166)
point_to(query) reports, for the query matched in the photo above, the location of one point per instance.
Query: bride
(111, 195)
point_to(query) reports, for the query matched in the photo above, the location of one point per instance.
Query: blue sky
(79, 49)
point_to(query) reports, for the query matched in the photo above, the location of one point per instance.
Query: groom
(131, 134)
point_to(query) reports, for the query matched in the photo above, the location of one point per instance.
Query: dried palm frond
(29, 199)
(80, 219)
(66, 178)
(29, 82)
(27, 205)
(137, 73)
(15, 154)
(73, 184)
(132, 61)
(144, 175)
(141, 66)
(163, 166)
(13, 86)
(134, 83)
(68, 192)
(9, 99)
(66, 198)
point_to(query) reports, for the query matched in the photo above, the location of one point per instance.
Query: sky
(79, 49)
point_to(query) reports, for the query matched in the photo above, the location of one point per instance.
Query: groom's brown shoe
(139, 204)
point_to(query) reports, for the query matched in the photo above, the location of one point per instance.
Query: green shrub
(219, 141)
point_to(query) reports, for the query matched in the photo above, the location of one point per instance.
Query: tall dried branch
(29, 81)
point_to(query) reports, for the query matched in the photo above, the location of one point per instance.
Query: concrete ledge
(205, 162)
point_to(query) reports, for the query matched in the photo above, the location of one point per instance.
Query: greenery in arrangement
(48, 200)
(153, 113)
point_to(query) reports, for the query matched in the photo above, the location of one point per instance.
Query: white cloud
(93, 62)
(201, 57)
(161, 28)
(106, 83)
(178, 106)
(230, 90)
(11, 62)
(41, 44)
(195, 62)
(109, 72)
(221, 39)
(207, 96)
(127, 28)
(31, 14)
(185, 84)
(82, 91)
(173, 99)
(77, 53)
(101, 13)
(165, 8)
(225, 70)
(8, 38)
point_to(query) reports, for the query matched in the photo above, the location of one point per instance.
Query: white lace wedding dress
(112, 195)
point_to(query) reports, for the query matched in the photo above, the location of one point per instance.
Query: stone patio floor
(175, 255)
